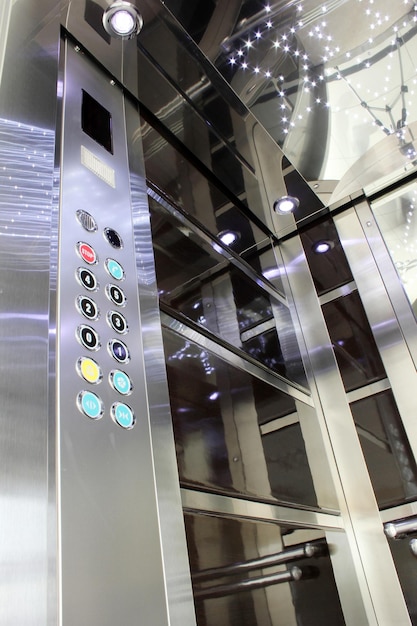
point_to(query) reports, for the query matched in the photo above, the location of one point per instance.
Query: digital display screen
(96, 122)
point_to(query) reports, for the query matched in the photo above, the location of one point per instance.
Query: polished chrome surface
(289, 555)
(27, 145)
(355, 494)
(218, 591)
(170, 517)
(400, 528)
(356, 229)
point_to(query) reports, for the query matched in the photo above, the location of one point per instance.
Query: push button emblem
(87, 253)
(123, 415)
(90, 404)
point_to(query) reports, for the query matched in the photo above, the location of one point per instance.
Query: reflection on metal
(294, 574)
(401, 528)
(296, 553)
(199, 501)
(413, 546)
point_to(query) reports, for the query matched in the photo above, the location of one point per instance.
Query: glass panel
(326, 258)
(217, 410)
(355, 348)
(202, 285)
(391, 466)
(186, 186)
(397, 221)
(406, 564)
(217, 542)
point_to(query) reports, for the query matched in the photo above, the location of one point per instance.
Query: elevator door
(110, 562)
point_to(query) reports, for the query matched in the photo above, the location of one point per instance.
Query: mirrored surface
(217, 410)
(391, 465)
(215, 543)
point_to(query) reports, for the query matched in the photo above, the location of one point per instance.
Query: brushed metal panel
(170, 515)
(27, 145)
(376, 591)
(108, 524)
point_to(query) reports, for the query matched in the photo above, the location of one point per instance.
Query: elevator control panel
(93, 279)
(99, 342)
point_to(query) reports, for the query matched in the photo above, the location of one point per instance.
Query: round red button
(87, 253)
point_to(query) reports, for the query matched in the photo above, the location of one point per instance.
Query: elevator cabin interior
(207, 409)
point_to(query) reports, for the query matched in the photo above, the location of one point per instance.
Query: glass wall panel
(325, 256)
(391, 465)
(202, 285)
(215, 543)
(406, 564)
(397, 221)
(355, 348)
(217, 410)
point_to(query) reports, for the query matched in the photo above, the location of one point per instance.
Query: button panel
(91, 336)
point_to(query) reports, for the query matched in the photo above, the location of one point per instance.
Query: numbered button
(87, 253)
(89, 370)
(119, 351)
(87, 279)
(90, 405)
(87, 307)
(117, 321)
(123, 415)
(114, 268)
(116, 295)
(88, 337)
(120, 382)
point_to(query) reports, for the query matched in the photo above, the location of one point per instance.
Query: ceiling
(333, 82)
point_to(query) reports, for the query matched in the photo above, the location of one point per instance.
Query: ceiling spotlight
(323, 246)
(122, 19)
(228, 237)
(286, 204)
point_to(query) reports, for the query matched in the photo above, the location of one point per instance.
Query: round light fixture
(323, 246)
(122, 20)
(228, 237)
(286, 204)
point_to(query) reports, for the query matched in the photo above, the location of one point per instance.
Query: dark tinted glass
(355, 349)
(217, 410)
(201, 284)
(329, 269)
(385, 446)
(216, 542)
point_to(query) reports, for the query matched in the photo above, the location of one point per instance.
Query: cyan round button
(115, 269)
(123, 415)
(120, 382)
(90, 404)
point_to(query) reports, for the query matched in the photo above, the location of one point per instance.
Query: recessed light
(323, 246)
(286, 204)
(228, 237)
(122, 20)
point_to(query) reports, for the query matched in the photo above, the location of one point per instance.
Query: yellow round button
(89, 370)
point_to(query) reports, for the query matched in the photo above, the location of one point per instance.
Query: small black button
(87, 278)
(116, 295)
(119, 351)
(117, 321)
(113, 238)
(88, 337)
(87, 307)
